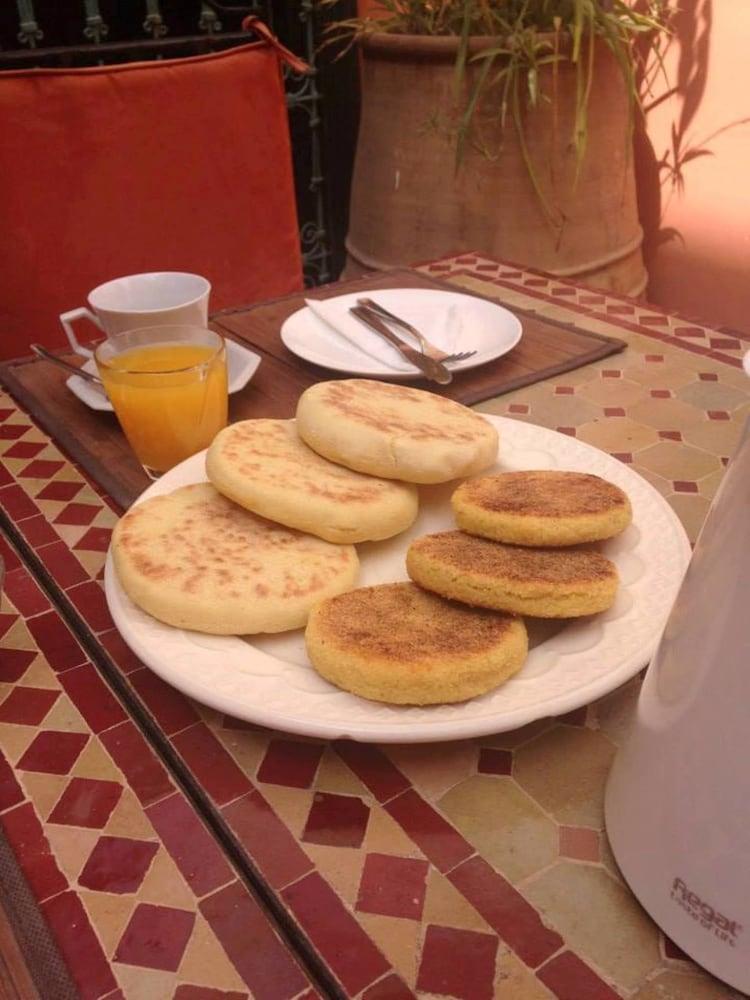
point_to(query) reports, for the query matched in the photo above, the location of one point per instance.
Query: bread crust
(396, 643)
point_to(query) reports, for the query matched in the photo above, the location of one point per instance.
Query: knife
(433, 370)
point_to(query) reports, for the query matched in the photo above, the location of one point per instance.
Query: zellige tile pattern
(404, 866)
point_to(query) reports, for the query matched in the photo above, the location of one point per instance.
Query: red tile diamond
(95, 540)
(290, 763)
(156, 937)
(495, 761)
(579, 843)
(459, 963)
(14, 663)
(117, 864)
(708, 376)
(86, 802)
(27, 706)
(684, 486)
(52, 752)
(393, 887)
(336, 820)
(77, 514)
(11, 432)
(41, 469)
(25, 449)
(59, 490)
(718, 415)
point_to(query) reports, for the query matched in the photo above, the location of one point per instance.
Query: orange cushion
(179, 164)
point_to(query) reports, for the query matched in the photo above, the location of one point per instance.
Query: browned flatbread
(542, 583)
(541, 508)
(397, 643)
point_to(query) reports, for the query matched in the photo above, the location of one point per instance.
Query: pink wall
(694, 170)
(694, 189)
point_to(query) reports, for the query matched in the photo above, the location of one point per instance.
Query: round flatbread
(264, 466)
(394, 431)
(541, 583)
(544, 507)
(399, 644)
(195, 560)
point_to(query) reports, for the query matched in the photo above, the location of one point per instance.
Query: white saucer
(243, 363)
(484, 327)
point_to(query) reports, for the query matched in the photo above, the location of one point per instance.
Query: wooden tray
(94, 440)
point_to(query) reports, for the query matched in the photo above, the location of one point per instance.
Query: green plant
(503, 78)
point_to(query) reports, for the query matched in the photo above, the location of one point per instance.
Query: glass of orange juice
(168, 387)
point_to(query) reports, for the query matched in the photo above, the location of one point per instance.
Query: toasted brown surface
(538, 582)
(401, 622)
(482, 557)
(541, 508)
(544, 493)
(397, 643)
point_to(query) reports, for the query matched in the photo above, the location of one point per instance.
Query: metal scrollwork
(95, 30)
(209, 20)
(154, 23)
(29, 32)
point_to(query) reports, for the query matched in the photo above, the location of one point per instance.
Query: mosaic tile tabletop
(470, 870)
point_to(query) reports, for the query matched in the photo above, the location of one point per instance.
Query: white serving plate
(268, 679)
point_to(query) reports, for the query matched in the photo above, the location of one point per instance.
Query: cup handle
(68, 318)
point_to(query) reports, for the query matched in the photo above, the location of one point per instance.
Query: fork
(425, 346)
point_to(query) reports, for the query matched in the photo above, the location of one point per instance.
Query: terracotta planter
(409, 203)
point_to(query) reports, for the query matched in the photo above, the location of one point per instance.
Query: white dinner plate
(484, 327)
(268, 679)
(242, 365)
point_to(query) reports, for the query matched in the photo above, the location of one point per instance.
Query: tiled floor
(471, 869)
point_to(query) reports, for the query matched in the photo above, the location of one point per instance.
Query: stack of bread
(267, 544)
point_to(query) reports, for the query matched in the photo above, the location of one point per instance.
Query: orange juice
(170, 399)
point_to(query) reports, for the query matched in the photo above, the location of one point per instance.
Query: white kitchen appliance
(678, 798)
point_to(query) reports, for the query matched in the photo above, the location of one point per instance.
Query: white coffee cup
(161, 298)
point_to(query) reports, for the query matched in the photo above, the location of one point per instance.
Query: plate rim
(426, 732)
(413, 373)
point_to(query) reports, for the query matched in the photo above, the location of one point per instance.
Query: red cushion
(179, 164)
